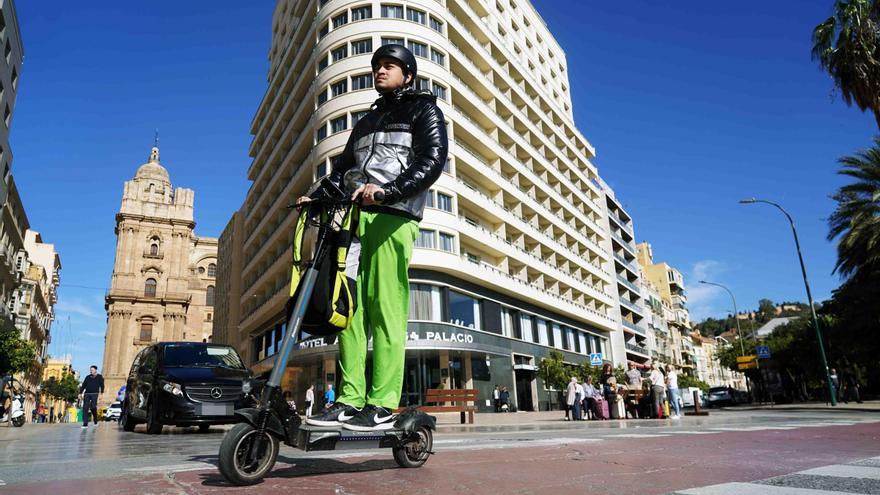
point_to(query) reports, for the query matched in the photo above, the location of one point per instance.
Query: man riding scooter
(401, 145)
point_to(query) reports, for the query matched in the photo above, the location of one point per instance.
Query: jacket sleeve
(430, 147)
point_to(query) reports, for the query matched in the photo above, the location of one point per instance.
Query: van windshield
(201, 355)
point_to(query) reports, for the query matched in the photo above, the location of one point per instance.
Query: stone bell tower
(162, 286)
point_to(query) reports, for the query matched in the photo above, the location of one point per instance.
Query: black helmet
(397, 52)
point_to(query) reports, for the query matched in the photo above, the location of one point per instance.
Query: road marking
(844, 471)
(638, 435)
(753, 489)
(693, 432)
(186, 466)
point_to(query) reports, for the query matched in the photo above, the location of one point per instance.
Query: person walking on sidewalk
(658, 389)
(496, 395)
(570, 397)
(401, 146)
(672, 387)
(91, 391)
(310, 399)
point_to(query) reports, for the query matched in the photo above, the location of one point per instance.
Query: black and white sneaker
(371, 418)
(334, 415)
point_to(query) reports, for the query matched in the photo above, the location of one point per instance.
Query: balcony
(626, 303)
(620, 223)
(632, 326)
(628, 264)
(638, 350)
(626, 245)
(629, 285)
(139, 296)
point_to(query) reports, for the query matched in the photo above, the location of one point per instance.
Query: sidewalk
(866, 406)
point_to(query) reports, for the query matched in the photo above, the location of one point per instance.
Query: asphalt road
(762, 450)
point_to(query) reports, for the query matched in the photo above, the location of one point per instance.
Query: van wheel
(128, 423)
(154, 427)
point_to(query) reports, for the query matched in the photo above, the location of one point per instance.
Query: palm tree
(856, 220)
(847, 46)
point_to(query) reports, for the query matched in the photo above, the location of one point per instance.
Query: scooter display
(249, 450)
(15, 414)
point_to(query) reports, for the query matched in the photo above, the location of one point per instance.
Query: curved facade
(519, 220)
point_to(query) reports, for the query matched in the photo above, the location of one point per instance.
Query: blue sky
(690, 105)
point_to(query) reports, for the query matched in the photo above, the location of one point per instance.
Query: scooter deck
(310, 437)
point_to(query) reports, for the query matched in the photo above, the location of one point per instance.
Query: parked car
(724, 396)
(687, 397)
(185, 384)
(112, 412)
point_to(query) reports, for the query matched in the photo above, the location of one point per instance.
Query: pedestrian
(578, 402)
(633, 377)
(607, 373)
(42, 412)
(401, 145)
(290, 402)
(91, 391)
(590, 394)
(505, 399)
(658, 389)
(851, 382)
(570, 396)
(329, 396)
(310, 399)
(496, 395)
(672, 387)
(835, 383)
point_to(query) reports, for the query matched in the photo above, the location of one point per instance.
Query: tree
(16, 353)
(856, 220)
(552, 370)
(66, 389)
(847, 46)
(766, 308)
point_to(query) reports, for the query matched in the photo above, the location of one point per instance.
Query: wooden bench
(464, 401)
(631, 399)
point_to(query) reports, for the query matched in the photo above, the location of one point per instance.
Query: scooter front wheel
(246, 454)
(19, 421)
(415, 453)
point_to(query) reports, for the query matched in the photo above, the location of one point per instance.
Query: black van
(185, 384)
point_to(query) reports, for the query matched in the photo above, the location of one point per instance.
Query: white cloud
(703, 298)
(77, 307)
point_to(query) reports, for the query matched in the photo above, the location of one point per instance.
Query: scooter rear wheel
(19, 421)
(415, 453)
(234, 463)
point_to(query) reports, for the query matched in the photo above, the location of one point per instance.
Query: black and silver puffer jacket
(401, 145)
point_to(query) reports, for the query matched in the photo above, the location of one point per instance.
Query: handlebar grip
(379, 196)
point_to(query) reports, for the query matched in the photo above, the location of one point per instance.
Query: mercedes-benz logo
(216, 393)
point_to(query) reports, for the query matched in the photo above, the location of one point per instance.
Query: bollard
(697, 409)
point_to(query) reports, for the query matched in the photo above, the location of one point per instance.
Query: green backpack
(334, 298)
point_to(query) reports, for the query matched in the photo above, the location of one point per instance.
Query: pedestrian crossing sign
(596, 359)
(763, 352)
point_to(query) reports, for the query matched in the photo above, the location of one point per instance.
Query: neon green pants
(382, 309)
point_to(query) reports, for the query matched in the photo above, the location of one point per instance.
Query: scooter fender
(251, 416)
(411, 419)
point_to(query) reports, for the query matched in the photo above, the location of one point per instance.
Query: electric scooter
(15, 414)
(249, 450)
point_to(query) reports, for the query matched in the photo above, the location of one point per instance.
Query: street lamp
(738, 330)
(797, 246)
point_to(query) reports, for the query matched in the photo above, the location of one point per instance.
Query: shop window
(150, 287)
(463, 309)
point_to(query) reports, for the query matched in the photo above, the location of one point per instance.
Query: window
(429, 199)
(339, 124)
(209, 296)
(422, 298)
(447, 242)
(322, 97)
(395, 11)
(340, 20)
(361, 46)
(322, 132)
(335, 162)
(418, 49)
(423, 83)
(463, 310)
(154, 249)
(150, 287)
(356, 116)
(201, 270)
(322, 64)
(321, 170)
(444, 202)
(324, 30)
(439, 91)
(360, 13)
(436, 25)
(557, 337)
(438, 57)
(339, 53)
(361, 81)
(425, 239)
(415, 15)
(392, 41)
(526, 325)
(212, 270)
(338, 88)
(146, 331)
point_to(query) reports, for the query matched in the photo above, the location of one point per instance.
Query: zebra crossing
(664, 432)
(858, 477)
